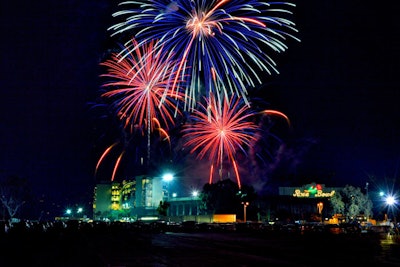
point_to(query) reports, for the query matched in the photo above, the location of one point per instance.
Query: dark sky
(339, 86)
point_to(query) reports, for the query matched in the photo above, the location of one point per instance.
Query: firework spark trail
(219, 130)
(105, 153)
(140, 88)
(223, 42)
(278, 113)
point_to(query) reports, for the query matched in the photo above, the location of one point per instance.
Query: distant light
(381, 193)
(195, 193)
(80, 210)
(174, 194)
(168, 177)
(68, 211)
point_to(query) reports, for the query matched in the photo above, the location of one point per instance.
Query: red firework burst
(140, 90)
(140, 86)
(219, 130)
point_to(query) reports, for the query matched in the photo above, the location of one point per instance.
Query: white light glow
(390, 200)
(168, 177)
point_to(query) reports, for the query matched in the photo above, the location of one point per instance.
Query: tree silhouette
(224, 197)
(163, 208)
(13, 194)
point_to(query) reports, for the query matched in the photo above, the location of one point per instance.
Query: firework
(140, 89)
(140, 86)
(223, 42)
(276, 113)
(219, 130)
(106, 153)
(118, 150)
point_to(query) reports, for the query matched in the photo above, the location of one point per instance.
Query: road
(126, 248)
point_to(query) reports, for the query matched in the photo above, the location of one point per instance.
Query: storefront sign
(314, 190)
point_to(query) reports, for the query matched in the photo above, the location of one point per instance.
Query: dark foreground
(121, 246)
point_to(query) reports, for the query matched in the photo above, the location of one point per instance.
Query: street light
(390, 201)
(245, 204)
(167, 178)
(195, 203)
(68, 212)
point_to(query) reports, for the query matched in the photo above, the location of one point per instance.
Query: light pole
(245, 204)
(68, 212)
(320, 206)
(195, 205)
(167, 178)
(390, 202)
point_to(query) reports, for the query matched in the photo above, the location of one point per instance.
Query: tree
(337, 203)
(351, 202)
(220, 197)
(13, 194)
(225, 197)
(163, 208)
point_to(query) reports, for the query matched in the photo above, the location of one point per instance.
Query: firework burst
(140, 90)
(140, 86)
(223, 42)
(219, 130)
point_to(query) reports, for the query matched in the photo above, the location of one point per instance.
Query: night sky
(339, 86)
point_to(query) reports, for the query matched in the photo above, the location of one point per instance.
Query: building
(185, 208)
(140, 198)
(131, 198)
(306, 202)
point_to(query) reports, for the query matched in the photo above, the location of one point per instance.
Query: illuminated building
(184, 206)
(102, 198)
(139, 197)
(131, 198)
(310, 201)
